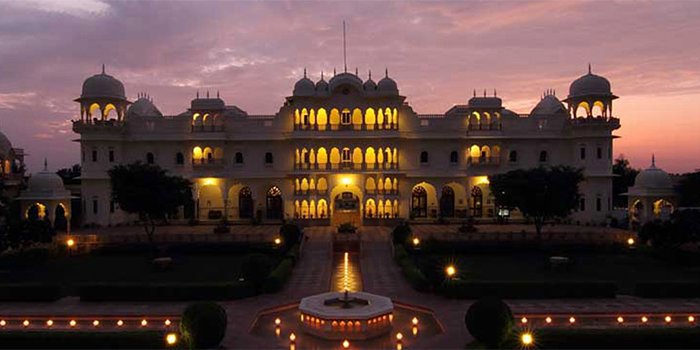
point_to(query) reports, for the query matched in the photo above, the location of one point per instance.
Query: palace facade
(344, 150)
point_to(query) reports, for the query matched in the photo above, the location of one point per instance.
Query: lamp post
(70, 243)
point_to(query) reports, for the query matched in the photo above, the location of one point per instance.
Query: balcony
(305, 193)
(344, 127)
(341, 167)
(208, 128)
(112, 125)
(207, 163)
(483, 161)
(484, 127)
(382, 192)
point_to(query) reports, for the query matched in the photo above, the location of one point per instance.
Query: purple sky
(438, 52)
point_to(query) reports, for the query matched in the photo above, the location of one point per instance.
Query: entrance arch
(447, 202)
(60, 221)
(424, 201)
(476, 202)
(346, 205)
(211, 203)
(274, 203)
(245, 203)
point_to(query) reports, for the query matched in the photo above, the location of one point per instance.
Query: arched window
(543, 156)
(322, 208)
(245, 203)
(346, 156)
(150, 159)
(322, 185)
(179, 158)
(345, 117)
(268, 158)
(419, 202)
(513, 156)
(454, 157)
(424, 157)
(94, 155)
(274, 203)
(239, 158)
(447, 202)
(476, 201)
(370, 208)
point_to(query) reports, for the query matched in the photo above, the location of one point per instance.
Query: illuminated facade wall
(347, 146)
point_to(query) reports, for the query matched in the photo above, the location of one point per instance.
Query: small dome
(143, 107)
(370, 85)
(103, 85)
(590, 84)
(45, 181)
(5, 146)
(653, 178)
(304, 87)
(345, 79)
(549, 105)
(388, 85)
(321, 85)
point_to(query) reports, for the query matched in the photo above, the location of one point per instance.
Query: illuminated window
(345, 117)
(346, 155)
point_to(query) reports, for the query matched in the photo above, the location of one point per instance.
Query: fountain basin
(365, 315)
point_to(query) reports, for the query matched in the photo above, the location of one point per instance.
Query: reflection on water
(346, 273)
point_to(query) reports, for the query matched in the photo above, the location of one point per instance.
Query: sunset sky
(438, 52)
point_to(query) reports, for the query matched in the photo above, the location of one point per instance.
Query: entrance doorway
(346, 209)
(476, 203)
(447, 202)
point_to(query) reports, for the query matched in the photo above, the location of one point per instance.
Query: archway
(663, 209)
(60, 221)
(346, 203)
(419, 202)
(245, 203)
(637, 211)
(211, 203)
(36, 211)
(476, 202)
(447, 202)
(274, 203)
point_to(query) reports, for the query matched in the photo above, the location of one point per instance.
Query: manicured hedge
(667, 289)
(275, 281)
(29, 292)
(14, 259)
(166, 292)
(615, 338)
(412, 274)
(12, 339)
(465, 289)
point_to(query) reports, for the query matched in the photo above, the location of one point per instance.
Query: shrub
(275, 281)
(432, 267)
(291, 234)
(255, 269)
(19, 258)
(57, 339)
(166, 292)
(490, 321)
(29, 292)
(401, 234)
(414, 277)
(667, 289)
(203, 325)
(400, 253)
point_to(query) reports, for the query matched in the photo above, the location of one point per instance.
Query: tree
(688, 189)
(148, 191)
(624, 180)
(540, 193)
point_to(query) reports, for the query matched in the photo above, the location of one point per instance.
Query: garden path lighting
(630, 241)
(95, 323)
(691, 319)
(668, 319)
(49, 323)
(450, 271)
(415, 321)
(346, 344)
(416, 241)
(144, 323)
(120, 323)
(572, 320)
(171, 338)
(72, 323)
(278, 241)
(620, 319)
(548, 319)
(25, 323)
(3, 323)
(526, 339)
(644, 319)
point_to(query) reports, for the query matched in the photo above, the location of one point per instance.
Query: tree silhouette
(540, 193)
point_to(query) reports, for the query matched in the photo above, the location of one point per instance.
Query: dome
(369, 85)
(45, 181)
(590, 84)
(103, 85)
(321, 85)
(653, 178)
(5, 146)
(549, 105)
(345, 79)
(388, 85)
(304, 87)
(143, 107)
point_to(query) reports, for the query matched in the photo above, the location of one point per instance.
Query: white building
(345, 150)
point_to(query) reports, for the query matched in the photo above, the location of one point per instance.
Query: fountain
(346, 314)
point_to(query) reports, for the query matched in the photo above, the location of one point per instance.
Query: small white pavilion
(46, 197)
(652, 196)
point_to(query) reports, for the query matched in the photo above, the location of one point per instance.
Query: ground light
(630, 241)
(572, 320)
(72, 323)
(25, 323)
(526, 339)
(171, 338)
(167, 322)
(523, 320)
(691, 319)
(3, 323)
(548, 319)
(120, 323)
(416, 241)
(620, 319)
(346, 344)
(450, 271)
(144, 323)
(278, 241)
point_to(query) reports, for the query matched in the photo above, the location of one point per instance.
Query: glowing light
(346, 344)
(630, 241)
(451, 271)
(277, 331)
(667, 319)
(292, 346)
(482, 180)
(548, 320)
(415, 330)
(523, 320)
(3, 323)
(49, 323)
(171, 338)
(70, 243)
(416, 241)
(278, 241)
(144, 323)
(526, 339)
(292, 337)
(691, 319)
(302, 317)
(345, 181)
(95, 323)
(120, 323)
(644, 319)
(25, 323)
(399, 336)
(572, 320)
(72, 323)
(167, 322)
(278, 321)
(620, 319)
(399, 346)
(414, 320)
(209, 181)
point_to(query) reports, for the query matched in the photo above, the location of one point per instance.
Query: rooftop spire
(197, 93)
(370, 74)
(474, 92)
(321, 75)
(334, 71)
(304, 72)
(357, 72)
(386, 72)
(345, 58)
(653, 161)
(217, 93)
(46, 164)
(103, 68)
(207, 93)
(589, 68)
